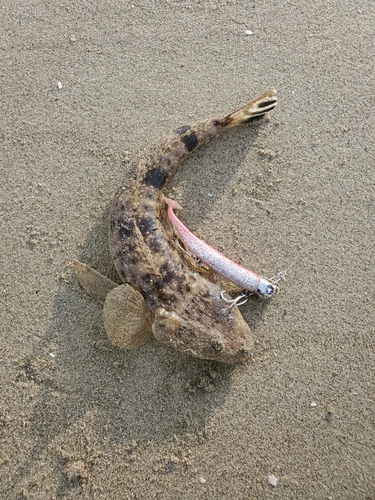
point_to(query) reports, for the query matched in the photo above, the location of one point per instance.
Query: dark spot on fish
(180, 288)
(148, 295)
(163, 296)
(147, 208)
(196, 310)
(216, 346)
(190, 141)
(146, 278)
(154, 244)
(243, 353)
(267, 103)
(134, 259)
(167, 278)
(164, 267)
(124, 231)
(146, 224)
(164, 161)
(156, 178)
(130, 248)
(182, 332)
(223, 122)
(183, 129)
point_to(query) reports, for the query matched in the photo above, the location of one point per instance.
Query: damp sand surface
(86, 88)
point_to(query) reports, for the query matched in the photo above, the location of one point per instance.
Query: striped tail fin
(259, 107)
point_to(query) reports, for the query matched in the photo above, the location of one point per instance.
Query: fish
(222, 265)
(165, 294)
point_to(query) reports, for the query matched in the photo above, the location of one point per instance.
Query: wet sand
(82, 419)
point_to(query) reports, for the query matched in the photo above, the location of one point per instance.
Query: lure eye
(270, 290)
(266, 288)
(267, 291)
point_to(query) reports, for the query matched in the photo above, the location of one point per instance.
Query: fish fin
(259, 107)
(127, 318)
(95, 284)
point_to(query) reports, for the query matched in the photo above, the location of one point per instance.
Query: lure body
(222, 265)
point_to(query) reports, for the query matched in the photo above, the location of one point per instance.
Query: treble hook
(198, 261)
(244, 297)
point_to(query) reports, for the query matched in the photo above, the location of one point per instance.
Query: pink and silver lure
(222, 265)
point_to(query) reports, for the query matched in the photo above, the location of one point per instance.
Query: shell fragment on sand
(272, 480)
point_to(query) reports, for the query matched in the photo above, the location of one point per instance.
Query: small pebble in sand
(248, 32)
(313, 404)
(59, 85)
(272, 480)
(52, 355)
(329, 414)
(202, 480)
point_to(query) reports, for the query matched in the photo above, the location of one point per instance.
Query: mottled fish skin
(188, 311)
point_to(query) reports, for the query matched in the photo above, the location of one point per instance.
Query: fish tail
(171, 203)
(257, 108)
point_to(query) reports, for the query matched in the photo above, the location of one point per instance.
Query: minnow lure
(165, 293)
(222, 265)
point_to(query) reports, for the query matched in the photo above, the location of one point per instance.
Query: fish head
(226, 339)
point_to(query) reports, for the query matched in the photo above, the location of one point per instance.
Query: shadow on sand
(150, 393)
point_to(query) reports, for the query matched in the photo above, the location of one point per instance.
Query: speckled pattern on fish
(187, 310)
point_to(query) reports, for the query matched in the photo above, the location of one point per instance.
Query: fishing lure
(222, 265)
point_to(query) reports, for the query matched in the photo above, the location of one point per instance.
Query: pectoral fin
(95, 284)
(127, 317)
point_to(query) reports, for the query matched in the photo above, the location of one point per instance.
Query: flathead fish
(165, 293)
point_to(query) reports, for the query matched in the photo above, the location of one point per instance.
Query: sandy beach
(86, 89)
